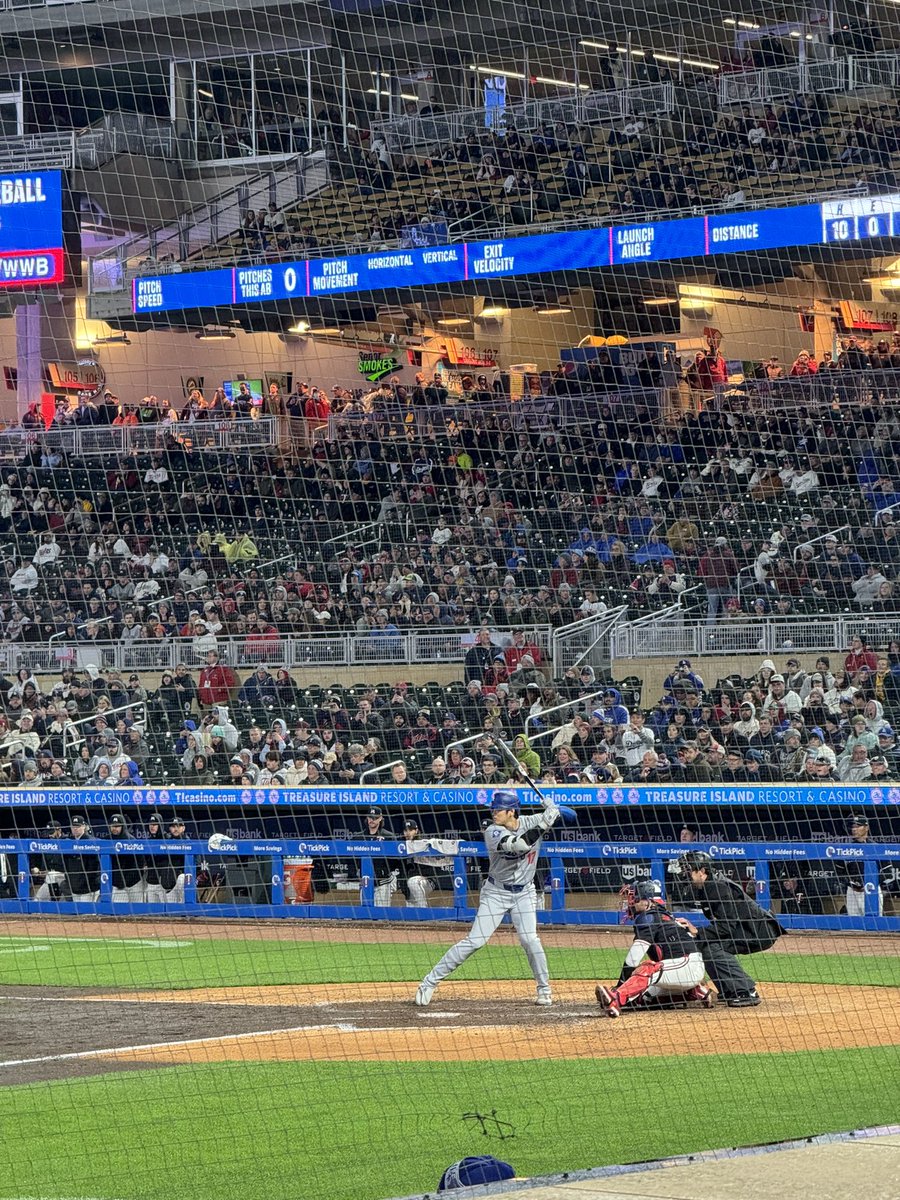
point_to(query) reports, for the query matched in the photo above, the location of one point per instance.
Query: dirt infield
(79, 1033)
(58, 1032)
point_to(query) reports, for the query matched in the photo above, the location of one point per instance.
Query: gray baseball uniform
(509, 889)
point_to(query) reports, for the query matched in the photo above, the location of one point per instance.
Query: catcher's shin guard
(637, 983)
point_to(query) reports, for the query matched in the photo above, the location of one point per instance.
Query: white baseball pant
(678, 975)
(135, 893)
(86, 897)
(420, 888)
(50, 889)
(157, 894)
(496, 902)
(856, 903)
(383, 891)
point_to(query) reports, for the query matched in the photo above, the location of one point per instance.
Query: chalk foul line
(227, 1037)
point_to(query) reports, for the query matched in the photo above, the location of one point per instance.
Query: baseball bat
(567, 814)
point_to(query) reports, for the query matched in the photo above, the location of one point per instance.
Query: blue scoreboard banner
(753, 795)
(834, 221)
(31, 229)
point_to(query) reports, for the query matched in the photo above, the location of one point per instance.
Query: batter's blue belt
(510, 887)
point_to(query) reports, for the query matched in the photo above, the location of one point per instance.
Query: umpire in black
(737, 925)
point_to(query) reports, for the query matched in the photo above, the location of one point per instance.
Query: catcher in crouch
(673, 967)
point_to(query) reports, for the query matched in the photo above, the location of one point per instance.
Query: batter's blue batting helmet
(505, 798)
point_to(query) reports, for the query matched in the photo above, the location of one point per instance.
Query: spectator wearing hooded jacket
(747, 725)
(860, 735)
(853, 765)
(780, 704)
(612, 711)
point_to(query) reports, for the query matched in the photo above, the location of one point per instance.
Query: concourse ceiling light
(536, 78)
(215, 335)
(494, 310)
(688, 62)
(552, 312)
(588, 44)
(660, 301)
(300, 327)
(454, 321)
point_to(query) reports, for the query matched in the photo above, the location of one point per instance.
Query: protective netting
(345, 537)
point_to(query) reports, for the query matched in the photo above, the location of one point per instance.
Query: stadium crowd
(632, 168)
(486, 518)
(830, 719)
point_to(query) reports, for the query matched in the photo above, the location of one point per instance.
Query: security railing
(406, 133)
(90, 440)
(115, 133)
(164, 249)
(585, 642)
(813, 76)
(442, 645)
(38, 151)
(674, 635)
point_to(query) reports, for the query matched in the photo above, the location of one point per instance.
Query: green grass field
(365, 1130)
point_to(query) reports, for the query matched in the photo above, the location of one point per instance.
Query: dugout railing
(261, 867)
(770, 834)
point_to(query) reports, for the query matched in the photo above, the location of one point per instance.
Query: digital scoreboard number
(860, 218)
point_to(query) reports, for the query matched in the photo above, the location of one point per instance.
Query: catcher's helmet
(648, 889)
(504, 798)
(696, 860)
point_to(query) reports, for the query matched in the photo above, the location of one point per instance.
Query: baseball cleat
(605, 998)
(423, 995)
(544, 998)
(703, 994)
(744, 1000)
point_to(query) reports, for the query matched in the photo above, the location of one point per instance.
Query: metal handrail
(383, 767)
(882, 511)
(542, 733)
(820, 538)
(142, 704)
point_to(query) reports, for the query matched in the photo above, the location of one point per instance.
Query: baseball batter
(513, 843)
(674, 965)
